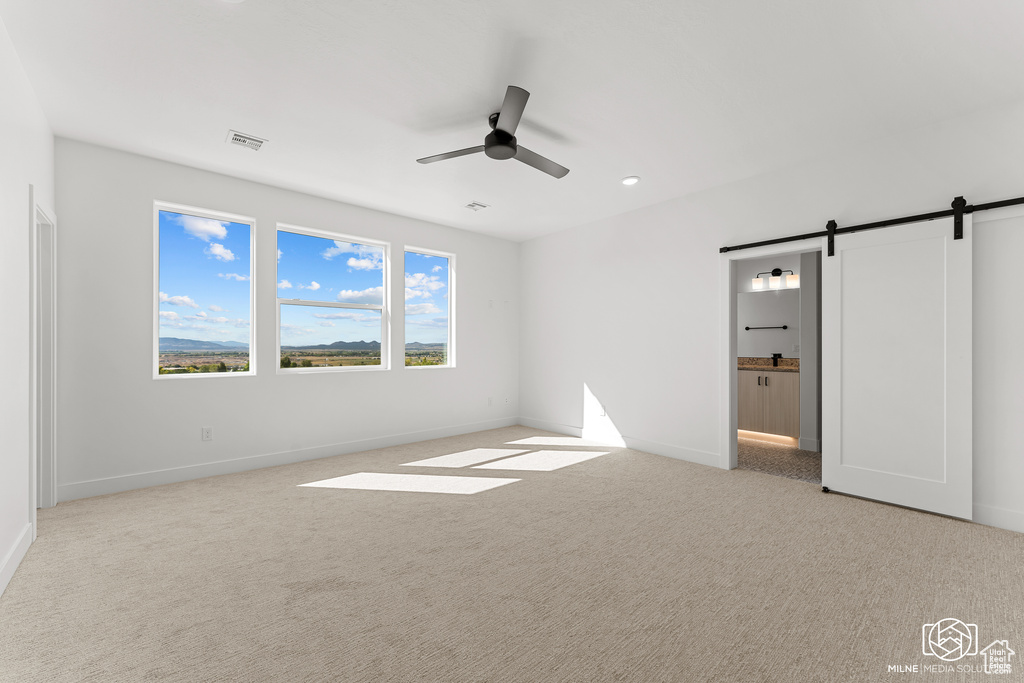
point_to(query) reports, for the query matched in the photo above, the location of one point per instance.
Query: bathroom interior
(778, 349)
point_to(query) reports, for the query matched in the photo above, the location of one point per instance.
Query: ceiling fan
(501, 143)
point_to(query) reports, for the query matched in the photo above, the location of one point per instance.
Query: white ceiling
(687, 94)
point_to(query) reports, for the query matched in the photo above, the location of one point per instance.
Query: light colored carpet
(626, 567)
(778, 460)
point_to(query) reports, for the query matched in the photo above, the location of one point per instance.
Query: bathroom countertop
(785, 364)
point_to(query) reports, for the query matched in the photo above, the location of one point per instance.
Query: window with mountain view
(332, 301)
(204, 293)
(429, 277)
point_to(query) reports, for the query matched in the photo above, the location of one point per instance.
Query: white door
(896, 366)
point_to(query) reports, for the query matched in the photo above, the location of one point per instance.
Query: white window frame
(159, 206)
(451, 308)
(384, 307)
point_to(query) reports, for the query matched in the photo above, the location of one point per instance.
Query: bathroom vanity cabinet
(769, 401)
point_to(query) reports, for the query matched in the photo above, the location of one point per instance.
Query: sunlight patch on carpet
(465, 458)
(421, 483)
(542, 461)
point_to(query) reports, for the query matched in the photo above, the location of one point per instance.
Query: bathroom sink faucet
(775, 359)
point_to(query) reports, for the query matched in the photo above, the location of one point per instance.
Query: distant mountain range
(339, 345)
(175, 344)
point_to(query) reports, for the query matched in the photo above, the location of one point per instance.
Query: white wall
(771, 309)
(810, 351)
(120, 429)
(26, 159)
(629, 305)
(747, 269)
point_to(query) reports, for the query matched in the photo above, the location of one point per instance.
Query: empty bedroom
(459, 341)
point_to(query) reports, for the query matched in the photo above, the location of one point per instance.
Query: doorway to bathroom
(777, 338)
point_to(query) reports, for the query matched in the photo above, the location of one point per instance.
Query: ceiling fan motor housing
(500, 145)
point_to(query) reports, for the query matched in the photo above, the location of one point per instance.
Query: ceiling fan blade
(451, 155)
(540, 163)
(512, 109)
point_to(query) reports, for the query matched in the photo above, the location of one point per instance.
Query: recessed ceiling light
(631, 180)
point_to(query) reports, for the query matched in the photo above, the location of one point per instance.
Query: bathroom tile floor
(779, 460)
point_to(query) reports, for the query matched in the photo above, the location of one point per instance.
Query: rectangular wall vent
(476, 206)
(250, 141)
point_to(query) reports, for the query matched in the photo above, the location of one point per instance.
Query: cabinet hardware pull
(766, 380)
(759, 380)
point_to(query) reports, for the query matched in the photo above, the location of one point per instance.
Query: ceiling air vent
(476, 206)
(250, 141)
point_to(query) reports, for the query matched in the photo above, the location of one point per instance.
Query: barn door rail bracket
(959, 207)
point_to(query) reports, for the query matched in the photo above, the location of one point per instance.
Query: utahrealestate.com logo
(951, 640)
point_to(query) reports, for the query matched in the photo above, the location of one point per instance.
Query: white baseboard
(806, 444)
(1012, 520)
(14, 557)
(555, 427)
(128, 482)
(655, 447)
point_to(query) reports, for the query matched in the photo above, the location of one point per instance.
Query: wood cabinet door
(782, 403)
(750, 401)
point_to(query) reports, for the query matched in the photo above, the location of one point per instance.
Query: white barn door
(896, 366)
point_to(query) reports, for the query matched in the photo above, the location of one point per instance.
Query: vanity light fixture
(775, 279)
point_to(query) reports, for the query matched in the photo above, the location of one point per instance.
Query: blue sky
(426, 298)
(205, 283)
(320, 269)
(204, 278)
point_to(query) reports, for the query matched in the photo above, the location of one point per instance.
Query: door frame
(727, 335)
(42, 395)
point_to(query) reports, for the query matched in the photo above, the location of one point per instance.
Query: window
(429, 301)
(204, 303)
(331, 301)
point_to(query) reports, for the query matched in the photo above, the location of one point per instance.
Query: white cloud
(411, 293)
(365, 256)
(219, 252)
(169, 315)
(437, 269)
(201, 314)
(364, 264)
(424, 281)
(204, 228)
(432, 323)
(295, 329)
(326, 323)
(347, 315)
(421, 309)
(373, 295)
(284, 284)
(178, 300)
(312, 286)
(234, 276)
(421, 284)
(279, 254)
(216, 309)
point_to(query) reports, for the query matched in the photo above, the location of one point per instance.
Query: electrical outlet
(490, 401)
(207, 433)
(796, 348)
(508, 400)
